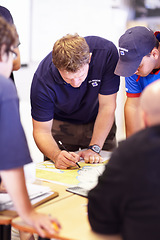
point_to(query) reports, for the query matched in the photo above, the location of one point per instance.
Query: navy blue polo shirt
(52, 97)
(14, 152)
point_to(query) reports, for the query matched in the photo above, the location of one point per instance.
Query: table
(6, 216)
(72, 214)
(68, 208)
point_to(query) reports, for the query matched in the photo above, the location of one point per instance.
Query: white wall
(20, 10)
(53, 19)
(41, 22)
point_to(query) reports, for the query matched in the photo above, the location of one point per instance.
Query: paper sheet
(35, 192)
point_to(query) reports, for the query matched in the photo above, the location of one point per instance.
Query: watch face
(96, 148)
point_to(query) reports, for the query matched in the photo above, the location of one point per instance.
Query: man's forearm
(132, 117)
(132, 120)
(102, 127)
(14, 182)
(47, 145)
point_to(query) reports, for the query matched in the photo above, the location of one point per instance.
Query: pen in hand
(67, 151)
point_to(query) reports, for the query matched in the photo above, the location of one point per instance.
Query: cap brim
(127, 69)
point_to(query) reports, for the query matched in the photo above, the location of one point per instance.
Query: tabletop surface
(71, 212)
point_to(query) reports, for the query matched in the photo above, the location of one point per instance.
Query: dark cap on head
(134, 44)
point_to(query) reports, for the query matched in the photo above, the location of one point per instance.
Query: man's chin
(141, 75)
(76, 86)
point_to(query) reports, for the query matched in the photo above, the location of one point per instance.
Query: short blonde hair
(70, 53)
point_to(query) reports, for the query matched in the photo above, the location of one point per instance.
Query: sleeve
(107, 200)
(14, 151)
(42, 107)
(110, 81)
(133, 87)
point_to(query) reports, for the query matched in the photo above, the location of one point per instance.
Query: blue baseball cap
(134, 44)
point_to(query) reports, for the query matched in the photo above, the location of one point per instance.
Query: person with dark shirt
(73, 99)
(126, 198)
(5, 13)
(14, 152)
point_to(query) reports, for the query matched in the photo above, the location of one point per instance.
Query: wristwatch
(95, 148)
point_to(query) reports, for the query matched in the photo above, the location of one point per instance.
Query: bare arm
(48, 146)
(132, 121)
(15, 184)
(102, 126)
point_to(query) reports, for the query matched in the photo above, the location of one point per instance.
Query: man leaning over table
(126, 199)
(139, 62)
(73, 99)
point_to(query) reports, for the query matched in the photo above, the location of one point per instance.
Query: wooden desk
(61, 189)
(6, 216)
(72, 214)
(55, 187)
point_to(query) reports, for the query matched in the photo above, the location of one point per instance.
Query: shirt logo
(94, 82)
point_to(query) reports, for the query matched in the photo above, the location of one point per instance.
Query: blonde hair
(8, 35)
(70, 53)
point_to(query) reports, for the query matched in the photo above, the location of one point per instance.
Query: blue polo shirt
(14, 152)
(52, 97)
(135, 84)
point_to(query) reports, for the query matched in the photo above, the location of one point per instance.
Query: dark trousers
(76, 136)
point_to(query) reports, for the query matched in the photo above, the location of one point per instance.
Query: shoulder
(133, 86)
(134, 78)
(46, 68)
(139, 145)
(45, 65)
(7, 89)
(99, 43)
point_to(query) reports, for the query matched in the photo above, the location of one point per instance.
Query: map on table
(86, 176)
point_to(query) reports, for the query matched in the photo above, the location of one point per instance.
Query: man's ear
(90, 57)
(155, 53)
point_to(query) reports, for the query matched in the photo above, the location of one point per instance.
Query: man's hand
(43, 223)
(66, 159)
(90, 156)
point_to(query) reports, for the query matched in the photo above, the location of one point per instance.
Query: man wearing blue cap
(139, 63)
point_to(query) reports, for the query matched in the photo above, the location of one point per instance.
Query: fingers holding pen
(66, 159)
